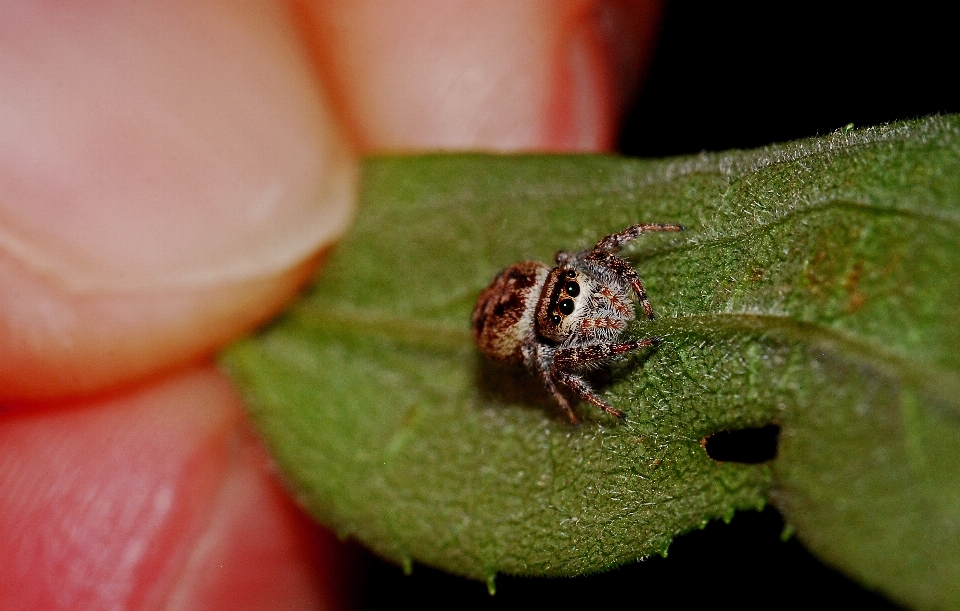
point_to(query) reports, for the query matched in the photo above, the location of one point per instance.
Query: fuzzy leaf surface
(817, 287)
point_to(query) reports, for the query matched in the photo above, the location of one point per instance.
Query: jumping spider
(562, 320)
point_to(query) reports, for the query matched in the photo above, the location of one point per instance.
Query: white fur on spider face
(601, 311)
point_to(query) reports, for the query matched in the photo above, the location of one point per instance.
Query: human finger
(157, 498)
(167, 172)
(500, 75)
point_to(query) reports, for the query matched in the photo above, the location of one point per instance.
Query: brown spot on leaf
(855, 298)
(816, 281)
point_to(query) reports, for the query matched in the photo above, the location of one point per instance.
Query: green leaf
(817, 288)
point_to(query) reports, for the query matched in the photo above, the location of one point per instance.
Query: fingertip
(157, 498)
(260, 551)
(584, 101)
(502, 75)
(602, 52)
(167, 172)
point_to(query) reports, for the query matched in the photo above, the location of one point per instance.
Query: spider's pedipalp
(620, 306)
(624, 270)
(601, 326)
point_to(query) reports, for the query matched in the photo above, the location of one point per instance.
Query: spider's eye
(555, 319)
(565, 306)
(573, 289)
(571, 274)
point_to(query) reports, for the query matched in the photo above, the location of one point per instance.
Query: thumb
(162, 180)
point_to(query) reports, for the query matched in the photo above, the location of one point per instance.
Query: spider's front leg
(615, 241)
(566, 360)
(583, 390)
(604, 254)
(583, 356)
(547, 380)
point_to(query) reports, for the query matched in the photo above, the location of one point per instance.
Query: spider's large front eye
(566, 306)
(573, 289)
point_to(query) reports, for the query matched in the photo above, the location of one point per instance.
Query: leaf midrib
(783, 328)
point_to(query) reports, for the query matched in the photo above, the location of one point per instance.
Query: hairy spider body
(560, 321)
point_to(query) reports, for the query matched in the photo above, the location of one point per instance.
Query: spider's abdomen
(503, 319)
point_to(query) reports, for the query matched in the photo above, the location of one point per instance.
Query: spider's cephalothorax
(560, 321)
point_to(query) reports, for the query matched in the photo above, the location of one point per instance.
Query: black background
(741, 75)
(737, 75)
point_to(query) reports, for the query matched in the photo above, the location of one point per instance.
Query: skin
(170, 175)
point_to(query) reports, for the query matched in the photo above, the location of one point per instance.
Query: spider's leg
(566, 359)
(563, 258)
(560, 399)
(572, 358)
(582, 390)
(614, 241)
(624, 270)
(543, 370)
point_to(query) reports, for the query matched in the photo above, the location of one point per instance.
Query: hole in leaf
(743, 445)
